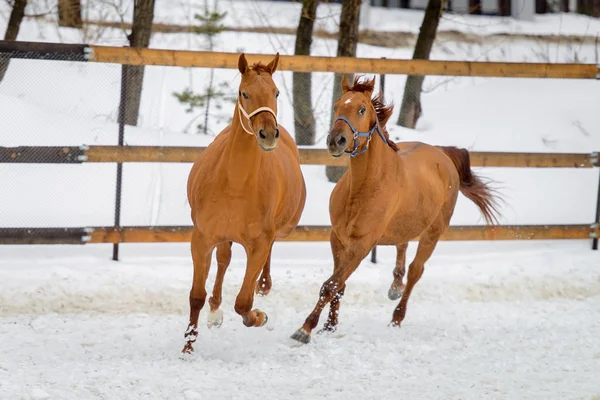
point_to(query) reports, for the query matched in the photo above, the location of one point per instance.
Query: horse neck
(372, 165)
(243, 155)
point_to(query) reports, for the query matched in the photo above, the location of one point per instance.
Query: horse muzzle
(337, 144)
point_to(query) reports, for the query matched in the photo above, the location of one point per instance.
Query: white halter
(243, 112)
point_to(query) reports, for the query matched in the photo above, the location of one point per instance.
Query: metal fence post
(381, 91)
(597, 221)
(122, 106)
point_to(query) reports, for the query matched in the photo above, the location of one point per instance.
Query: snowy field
(487, 320)
(499, 320)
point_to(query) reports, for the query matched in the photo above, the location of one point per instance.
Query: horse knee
(330, 289)
(197, 302)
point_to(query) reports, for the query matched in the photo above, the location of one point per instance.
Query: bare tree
(411, 102)
(504, 7)
(347, 43)
(564, 5)
(304, 119)
(589, 7)
(69, 13)
(12, 30)
(143, 14)
(541, 6)
(474, 6)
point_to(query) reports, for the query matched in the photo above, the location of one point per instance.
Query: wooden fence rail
(203, 59)
(118, 154)
(314, 233)
(308, 156)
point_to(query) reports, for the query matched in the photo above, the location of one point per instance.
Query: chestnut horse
(246, 187)
(390, 194)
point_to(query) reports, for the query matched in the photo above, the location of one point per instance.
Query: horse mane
(383, 111)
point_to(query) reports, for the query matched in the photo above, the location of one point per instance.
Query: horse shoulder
(207, 160)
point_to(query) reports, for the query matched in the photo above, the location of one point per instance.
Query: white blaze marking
(348, 101)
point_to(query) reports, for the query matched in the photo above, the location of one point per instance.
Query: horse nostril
(276, 133)
(341, 141)
(261, 133)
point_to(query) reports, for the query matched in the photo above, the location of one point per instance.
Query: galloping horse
(390, 194)
(246, 187)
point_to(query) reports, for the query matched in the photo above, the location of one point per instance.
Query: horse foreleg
(257, 256)
(334, 307)
(215, 317)
(264, 282)
(331, 288)
(397, 287)
(426, 246)
(201, 254)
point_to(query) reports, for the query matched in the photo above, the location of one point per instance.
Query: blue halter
(358, 134)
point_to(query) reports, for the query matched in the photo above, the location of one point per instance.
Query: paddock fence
(121, 153)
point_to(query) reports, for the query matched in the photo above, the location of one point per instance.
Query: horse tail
(473, 186)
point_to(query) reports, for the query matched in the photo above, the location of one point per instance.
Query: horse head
(355, 118)
(257, 102)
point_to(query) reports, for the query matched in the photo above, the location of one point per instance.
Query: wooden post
(122, 107)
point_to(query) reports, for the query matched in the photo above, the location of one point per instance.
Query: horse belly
(292, 201)
(230, 222)
(413, 217)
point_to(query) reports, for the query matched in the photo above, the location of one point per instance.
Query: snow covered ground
(488, 320)
(494, 319)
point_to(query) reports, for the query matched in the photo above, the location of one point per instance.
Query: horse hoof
(262, 292)
(262, 288)
(266, 319)
(394, 295)
(215, 319)
(394, 324)
(301, 336)
(327, 329)
(188, 348)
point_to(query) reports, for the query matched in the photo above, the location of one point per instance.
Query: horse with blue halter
(390, 194)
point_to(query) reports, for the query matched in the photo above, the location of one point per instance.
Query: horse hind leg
(215, 317)
(264, 284)
(426, 247)
(397, 287)
(201, 255)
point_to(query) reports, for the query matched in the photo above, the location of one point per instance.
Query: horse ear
(272, 67)
(345, 84)
(242, 63)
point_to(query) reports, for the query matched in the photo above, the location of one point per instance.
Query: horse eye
(244, 95)
(362, 111)
(277, 94)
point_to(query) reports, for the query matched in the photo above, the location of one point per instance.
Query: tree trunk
(347, 42)
(589, 7)
(474, 6)
(143, 14)
(411, 102)
(12, 30)
(404, 3)
(564, 5)
(541, 6)
(505, 8)
(304, 120)
(69, 14)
